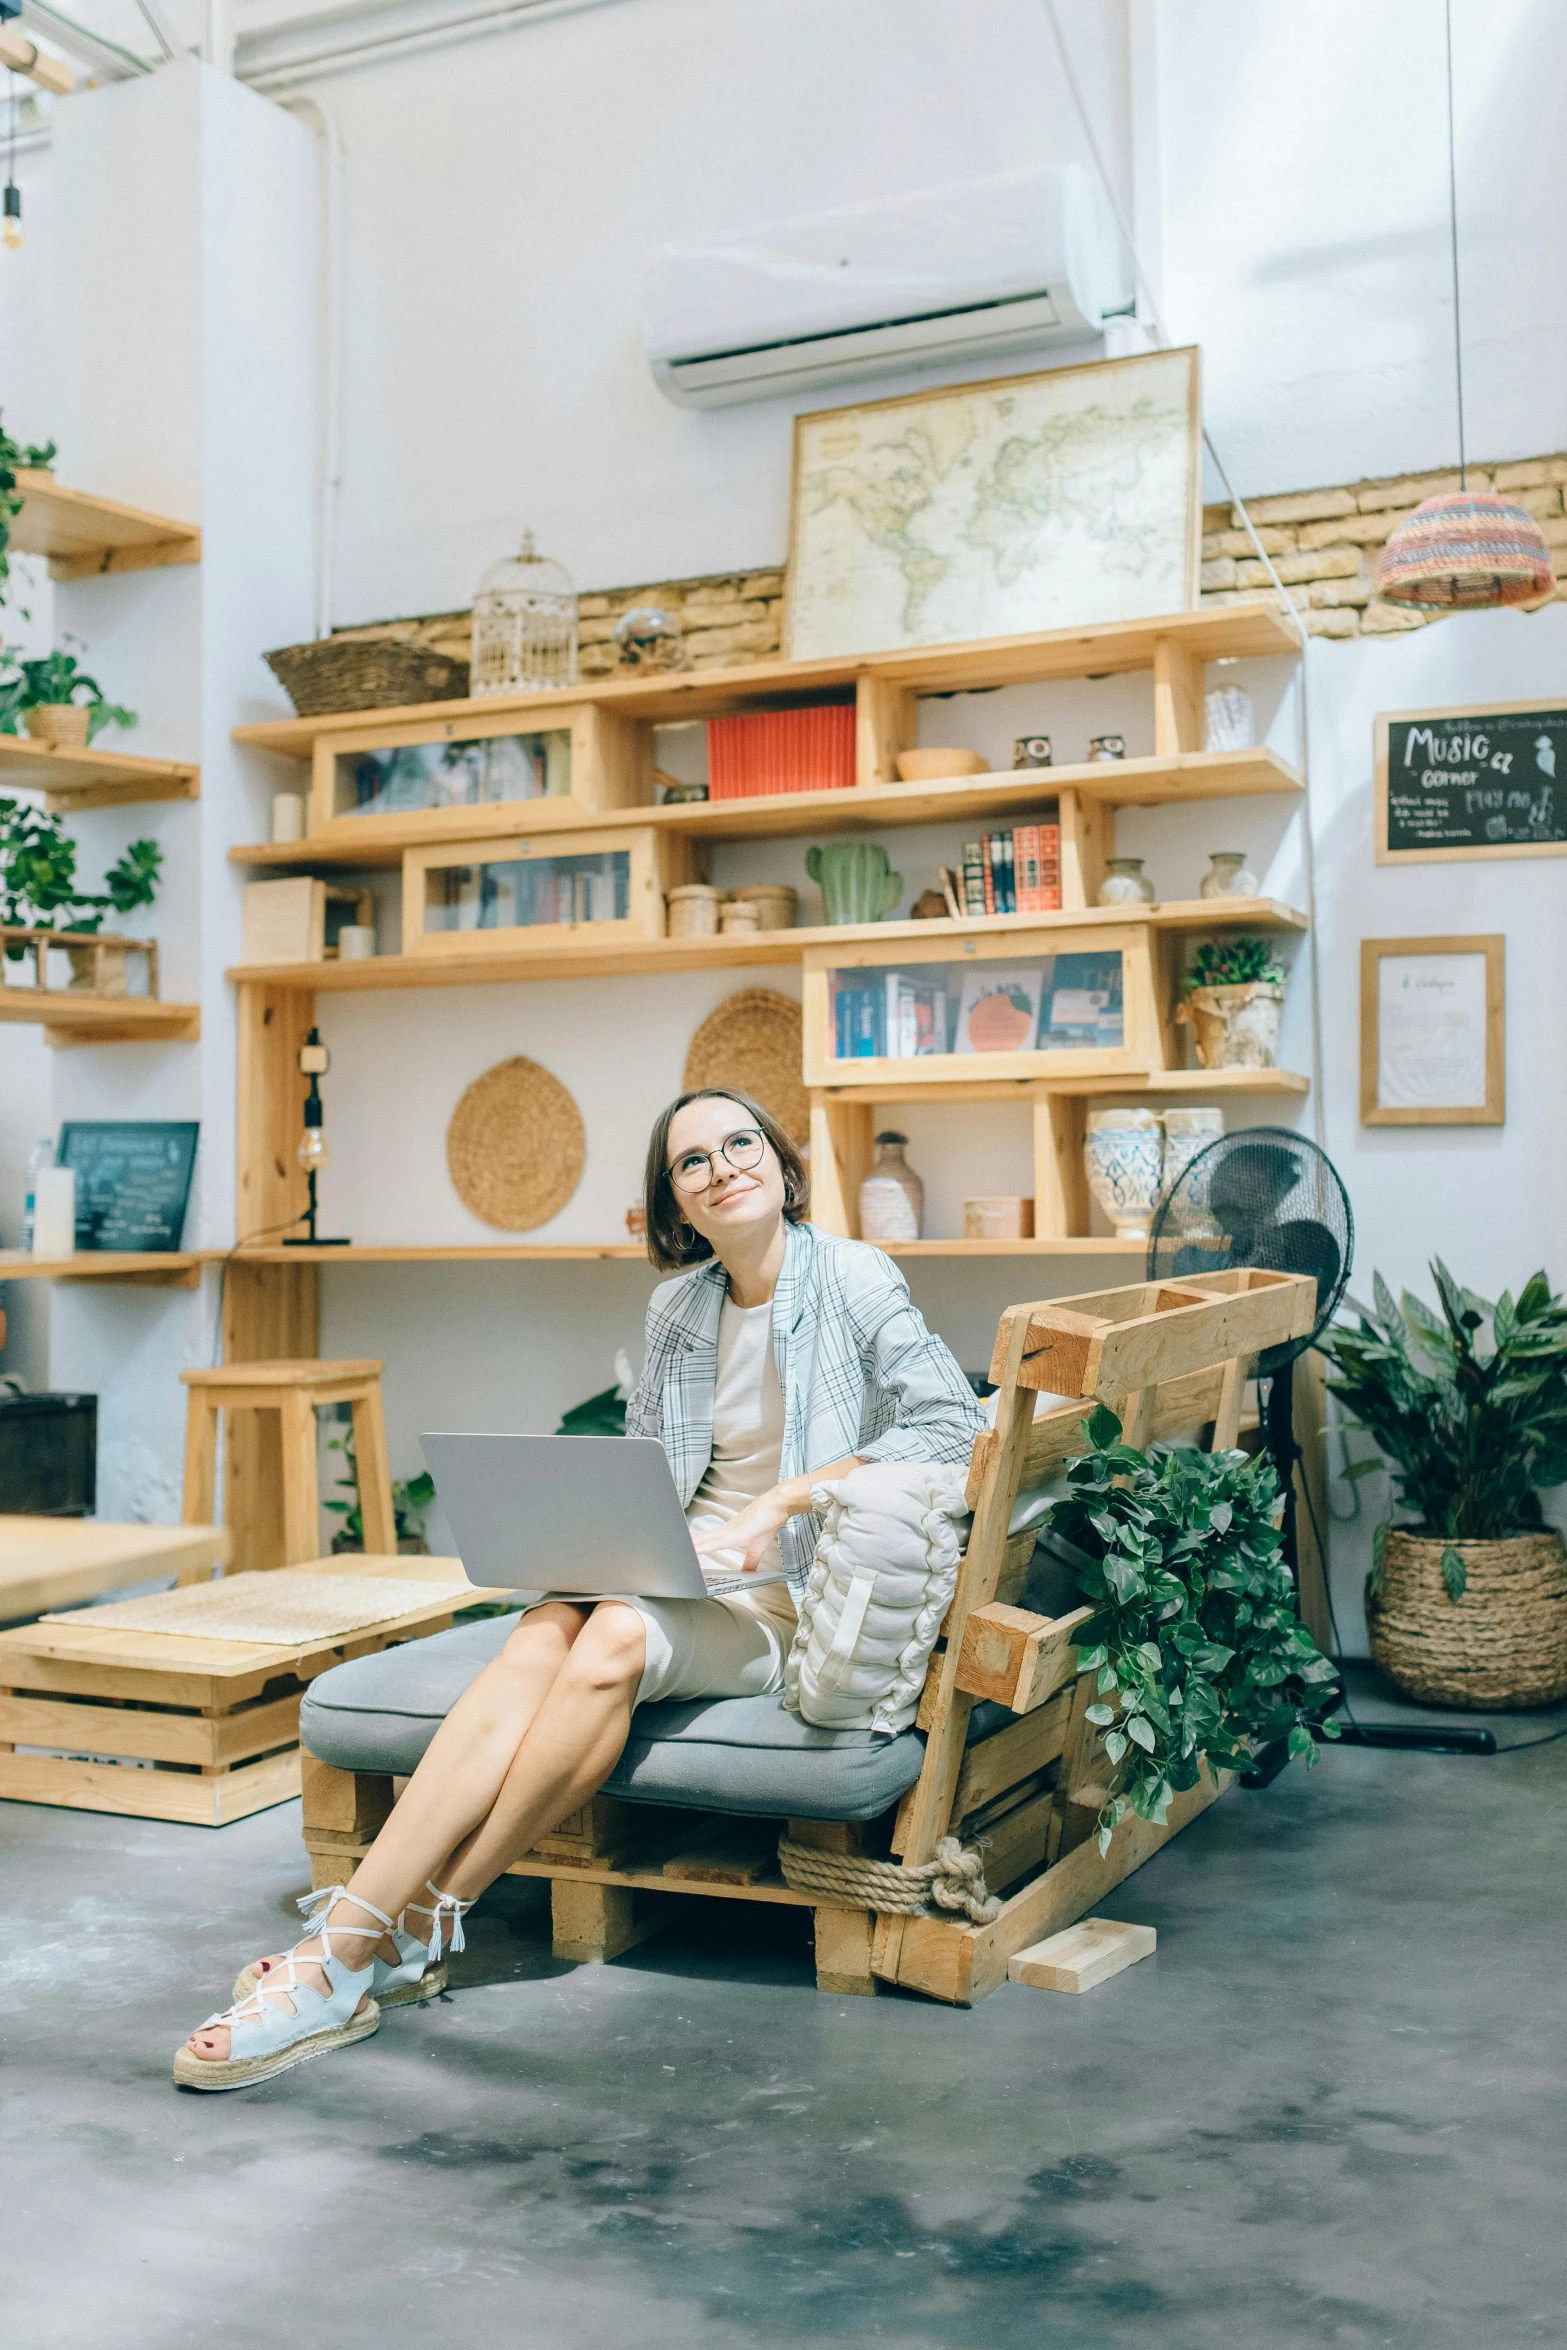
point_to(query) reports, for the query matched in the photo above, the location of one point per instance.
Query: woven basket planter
(365, 673)
(1503, 1644)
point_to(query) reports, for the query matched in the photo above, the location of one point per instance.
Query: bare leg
(477, 1751)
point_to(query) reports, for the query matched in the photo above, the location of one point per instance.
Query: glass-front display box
(1017, 1006)
(445, 778)
(525, 892)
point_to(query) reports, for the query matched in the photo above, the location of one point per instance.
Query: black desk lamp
(315, 1151)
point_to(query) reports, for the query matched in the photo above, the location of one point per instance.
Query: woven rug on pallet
(275, 1610)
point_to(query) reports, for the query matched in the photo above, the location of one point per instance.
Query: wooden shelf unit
(91, 779)
(607, 765)
(272, 1291)
(69, 1019)
(143, 1268)
(84, 536)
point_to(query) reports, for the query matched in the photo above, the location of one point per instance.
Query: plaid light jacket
(860, 1373)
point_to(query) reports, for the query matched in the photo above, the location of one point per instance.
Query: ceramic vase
(892, 1197)
(1124, 1158)
(1235, 1027)
(1126, 884)
(1227, 876)
(854, 879)
(1187, 1133)
(1229, 725)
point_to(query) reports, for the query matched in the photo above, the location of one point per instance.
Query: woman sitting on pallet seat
(780, 1356)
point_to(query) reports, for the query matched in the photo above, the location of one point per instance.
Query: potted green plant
(411, 1498)
(39, 890)
(1233, 1002)
(44, 696)
(1466, 1602)
(1195, 1636)
(17, 457)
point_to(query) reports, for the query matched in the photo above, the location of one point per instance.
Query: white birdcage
(524, 625)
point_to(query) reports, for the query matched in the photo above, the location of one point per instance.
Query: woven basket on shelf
(515, 1147)
(365, 673)
(753, 1041)
(1502, 1643)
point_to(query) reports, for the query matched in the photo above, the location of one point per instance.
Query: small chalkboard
(1486, 782)
(132, 1180)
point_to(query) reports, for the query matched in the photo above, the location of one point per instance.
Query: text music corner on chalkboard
(1486, 782)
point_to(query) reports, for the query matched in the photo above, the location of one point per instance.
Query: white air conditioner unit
(989, 269)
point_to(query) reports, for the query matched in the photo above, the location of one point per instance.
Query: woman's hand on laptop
(753, 1528)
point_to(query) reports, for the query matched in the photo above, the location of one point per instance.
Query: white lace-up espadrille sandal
(284, 2019)
(420, 1972)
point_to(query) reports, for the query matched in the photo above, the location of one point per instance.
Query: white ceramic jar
(1124, 1158)
(1187, 1133)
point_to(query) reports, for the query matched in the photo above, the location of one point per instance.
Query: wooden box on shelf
(96, 966)
(286, 921)
(1021, 1004)
(496, 896)
(459, 778)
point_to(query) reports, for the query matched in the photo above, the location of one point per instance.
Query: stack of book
(888, 1015)
(1016, 872)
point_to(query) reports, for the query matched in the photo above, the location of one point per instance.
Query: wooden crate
(608, 760)
(164, 1727)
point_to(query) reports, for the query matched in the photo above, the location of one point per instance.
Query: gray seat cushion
(731, 1754)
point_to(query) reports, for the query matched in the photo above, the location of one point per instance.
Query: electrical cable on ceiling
(1161, 334)
(1452, 236)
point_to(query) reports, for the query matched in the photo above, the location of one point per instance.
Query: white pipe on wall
(329, 474)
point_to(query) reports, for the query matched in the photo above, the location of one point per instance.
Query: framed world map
(996, 509)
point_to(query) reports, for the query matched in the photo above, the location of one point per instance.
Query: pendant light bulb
(11, 232)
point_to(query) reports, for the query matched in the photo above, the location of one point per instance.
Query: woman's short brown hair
(671, 1241)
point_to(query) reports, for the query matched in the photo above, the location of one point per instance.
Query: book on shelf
(1016, 872)
(1084, 1004)
(888, 1015)
(998, 1011)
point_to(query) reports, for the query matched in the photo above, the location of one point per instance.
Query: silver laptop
(596, 1514)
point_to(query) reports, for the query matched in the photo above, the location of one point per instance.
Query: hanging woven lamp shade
(1464, 551)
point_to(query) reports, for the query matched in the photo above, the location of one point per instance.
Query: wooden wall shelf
(1256, 629)
(84, 536)
(91, 779)
(143, 1269)
(100, 1019)
(578, 956)
(1164, 1085)
(632, 1252)
(965, 799)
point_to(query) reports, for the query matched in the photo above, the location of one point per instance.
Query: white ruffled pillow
(881, 1582)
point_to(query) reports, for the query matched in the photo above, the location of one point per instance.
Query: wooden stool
(293, 1390)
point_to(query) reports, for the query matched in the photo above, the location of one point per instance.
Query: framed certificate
(1433, 1031)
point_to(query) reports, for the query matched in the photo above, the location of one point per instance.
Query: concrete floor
(1328, 2112)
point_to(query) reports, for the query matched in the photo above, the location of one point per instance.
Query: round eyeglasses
(697, 1170)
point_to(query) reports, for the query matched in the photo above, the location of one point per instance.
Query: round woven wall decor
(515, 1147)
(754, 1041)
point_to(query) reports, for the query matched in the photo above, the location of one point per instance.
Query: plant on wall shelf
(38, 876)
(55, 683)
(1235, 962)
(15, 457)
(1195, 1636)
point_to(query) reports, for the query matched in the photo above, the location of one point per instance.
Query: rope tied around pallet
(954, 1880)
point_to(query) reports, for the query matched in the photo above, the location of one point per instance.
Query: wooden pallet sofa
(1002, 1756)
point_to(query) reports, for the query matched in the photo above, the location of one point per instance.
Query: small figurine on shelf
(524, 625)
(892, 1197)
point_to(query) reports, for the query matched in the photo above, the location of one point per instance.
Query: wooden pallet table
(162, 1726)
(58, 1562)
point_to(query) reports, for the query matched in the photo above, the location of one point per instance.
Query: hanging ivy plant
(1195, 1637)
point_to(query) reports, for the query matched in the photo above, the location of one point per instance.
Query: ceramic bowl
(934, 766)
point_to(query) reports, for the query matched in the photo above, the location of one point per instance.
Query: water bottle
(40, 1156)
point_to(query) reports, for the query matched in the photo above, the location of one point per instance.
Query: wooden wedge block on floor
(740, 1852)
(1088, 1953)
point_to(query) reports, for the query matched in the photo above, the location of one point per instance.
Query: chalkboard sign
(132, 1180)
(1487, 782)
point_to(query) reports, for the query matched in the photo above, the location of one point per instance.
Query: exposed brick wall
(1324, 544)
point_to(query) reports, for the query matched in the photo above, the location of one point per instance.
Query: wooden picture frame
(1061, 380)
(1421, 1055)
(1464, 715)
